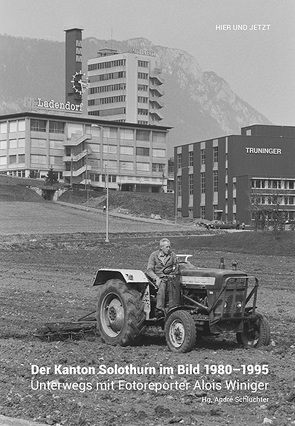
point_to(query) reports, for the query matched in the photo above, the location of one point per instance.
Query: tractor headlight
(225, 305)
(239, 305)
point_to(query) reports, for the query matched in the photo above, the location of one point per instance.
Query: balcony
(155, 74)
(155, 99)
(155, 112)
(156, 88)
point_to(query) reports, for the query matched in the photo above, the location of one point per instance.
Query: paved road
(48, 217)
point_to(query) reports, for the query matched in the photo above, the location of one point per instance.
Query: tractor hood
(206, 277)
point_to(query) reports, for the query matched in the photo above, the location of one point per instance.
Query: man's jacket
(157, 262)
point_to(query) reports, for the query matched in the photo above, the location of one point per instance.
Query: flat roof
(81, 119)
(241, 136)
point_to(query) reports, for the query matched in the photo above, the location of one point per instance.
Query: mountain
(198, 104)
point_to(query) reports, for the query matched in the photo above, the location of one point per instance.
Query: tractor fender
(129, 276)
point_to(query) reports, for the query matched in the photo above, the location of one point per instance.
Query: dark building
(74, 73)
(227, 178)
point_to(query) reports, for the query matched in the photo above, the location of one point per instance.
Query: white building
(82, 149)
(125, 87)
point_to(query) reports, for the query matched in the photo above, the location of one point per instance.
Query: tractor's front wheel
(180, 332)
(120, 313)
(256, 332)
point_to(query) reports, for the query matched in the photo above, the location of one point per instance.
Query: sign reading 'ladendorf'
(67, 106)
(263, 151)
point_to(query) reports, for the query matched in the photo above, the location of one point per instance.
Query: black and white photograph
(147, 212)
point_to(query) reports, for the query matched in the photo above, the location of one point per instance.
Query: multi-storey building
(125, 87)
(232, 178)
(83, 149)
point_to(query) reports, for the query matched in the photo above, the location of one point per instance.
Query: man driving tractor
(158, 261)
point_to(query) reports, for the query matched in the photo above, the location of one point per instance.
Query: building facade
(232, 178)
(73, 69)
(125, 87)
(84, 150)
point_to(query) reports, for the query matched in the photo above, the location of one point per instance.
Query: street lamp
(86, 180)
(107, 203)
(176, 199)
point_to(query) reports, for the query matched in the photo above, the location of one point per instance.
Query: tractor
(200, 302)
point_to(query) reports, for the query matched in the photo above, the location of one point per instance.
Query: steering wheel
(169, 269)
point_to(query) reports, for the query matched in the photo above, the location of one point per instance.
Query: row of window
(128, 150)
(143, 64)
(17, 173)
(109, 100)
(42, 143)
(59, 127)
(40, 126)
(142, 88)
(12, 126)
(94, 177)
(142, 99)
(108, 88)
(108, 64)
(36, 174)
(114, 87)
(12, 159)
(109, 76)
(272, 184)
(36, 159)
(142, 111)
(12, 143)
(129, 165)
(203, 157)
(41, 159)
(215, 182)
(190, 185)
(288, 200)
(272, 216)
(116, 63)
(203, 183)
(110, 111)
(142, 75)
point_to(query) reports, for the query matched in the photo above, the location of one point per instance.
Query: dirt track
(45, 280)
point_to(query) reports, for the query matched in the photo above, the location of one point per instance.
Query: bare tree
(267, 208)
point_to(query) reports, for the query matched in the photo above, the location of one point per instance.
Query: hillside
(19, 193)
(197, 104)
(138, 204)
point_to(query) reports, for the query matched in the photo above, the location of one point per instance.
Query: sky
(258, 64)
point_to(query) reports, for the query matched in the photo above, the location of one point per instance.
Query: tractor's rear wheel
(180, 332)
(256, 332)
(120, 313)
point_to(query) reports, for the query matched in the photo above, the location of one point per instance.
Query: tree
(267, 209)
(51, 177)
(33, 174)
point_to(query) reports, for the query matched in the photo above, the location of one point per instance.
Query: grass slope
(139, 204)
(18, 193)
